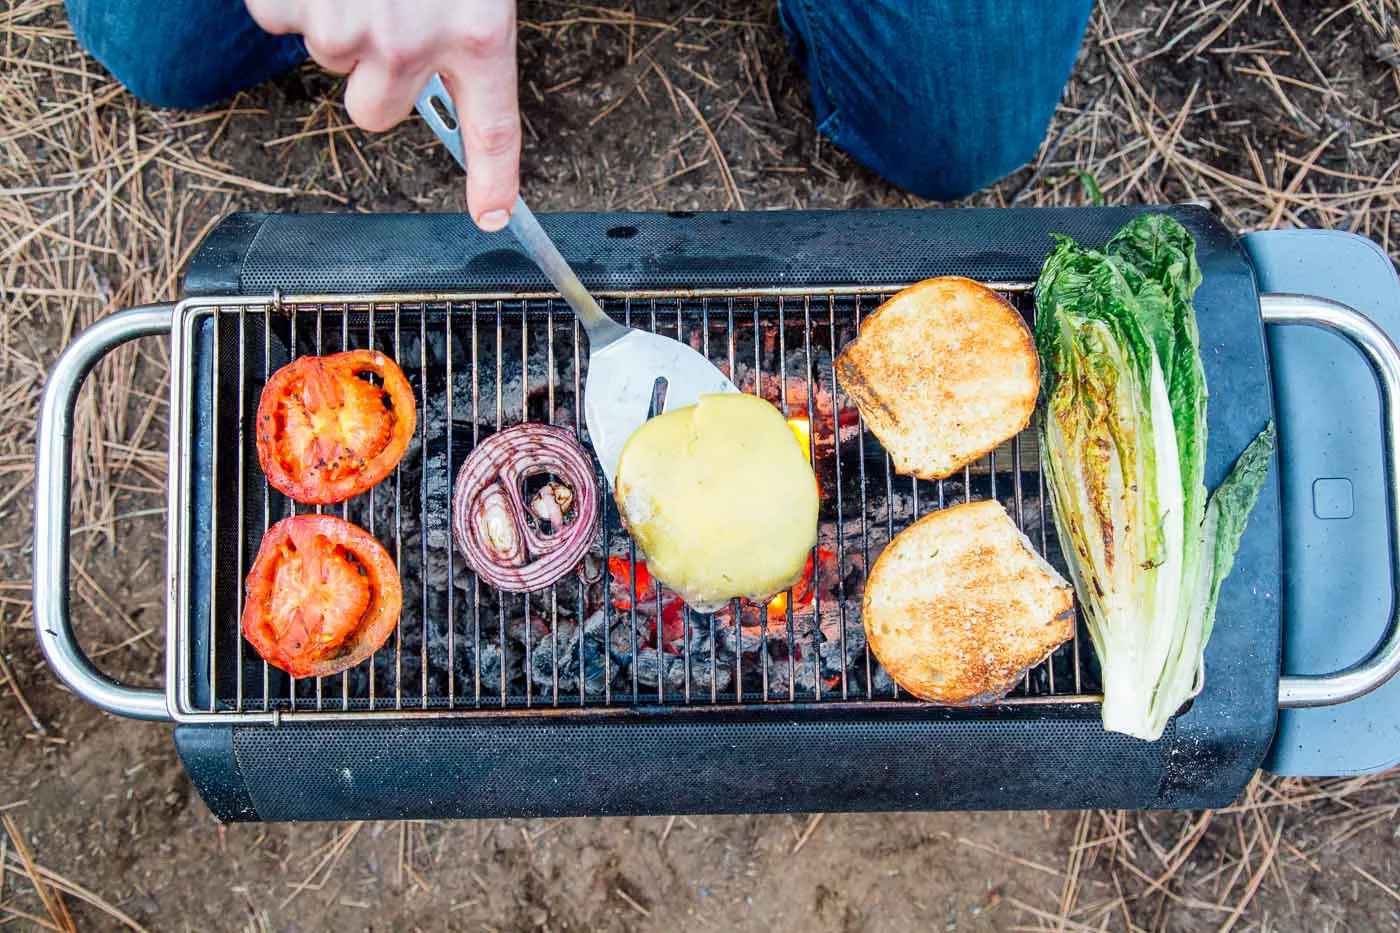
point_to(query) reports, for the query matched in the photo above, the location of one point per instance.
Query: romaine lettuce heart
(1123, 442)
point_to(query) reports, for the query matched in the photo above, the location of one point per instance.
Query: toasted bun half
(959, 606)
(942, 373)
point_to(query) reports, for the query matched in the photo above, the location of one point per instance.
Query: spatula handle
(542, 250)
(435, 106)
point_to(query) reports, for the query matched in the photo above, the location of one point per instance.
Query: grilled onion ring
(503, 538)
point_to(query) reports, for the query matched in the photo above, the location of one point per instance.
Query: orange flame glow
(802, 430)
(777, 606)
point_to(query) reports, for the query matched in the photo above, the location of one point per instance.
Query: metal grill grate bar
(611, 636)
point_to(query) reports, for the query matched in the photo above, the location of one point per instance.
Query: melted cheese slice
(720, 498)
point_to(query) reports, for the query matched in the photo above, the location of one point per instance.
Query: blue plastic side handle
(1338, 590)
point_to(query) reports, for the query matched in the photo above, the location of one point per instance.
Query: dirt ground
(1276, 114)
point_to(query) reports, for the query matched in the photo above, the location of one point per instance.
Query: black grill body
(771, 757)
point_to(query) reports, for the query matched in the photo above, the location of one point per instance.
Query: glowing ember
(805, 590)
(777, 606)
(638, 593)
(625, 591)
(801, 429)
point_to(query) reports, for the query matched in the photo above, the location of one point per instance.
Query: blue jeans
(941, 97)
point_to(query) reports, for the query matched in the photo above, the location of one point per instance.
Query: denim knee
(181, 54)
(922, 151)
(939, 98)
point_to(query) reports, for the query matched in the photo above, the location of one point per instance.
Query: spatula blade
(621, 376)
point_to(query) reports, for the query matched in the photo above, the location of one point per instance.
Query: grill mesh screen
(597, 638)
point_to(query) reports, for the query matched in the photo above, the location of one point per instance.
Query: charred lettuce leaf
(1124, 439)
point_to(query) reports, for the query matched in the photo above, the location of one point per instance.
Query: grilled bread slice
(958, 606)
(943, 372)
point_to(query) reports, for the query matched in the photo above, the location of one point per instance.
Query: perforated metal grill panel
(356, 253)
(551, 768)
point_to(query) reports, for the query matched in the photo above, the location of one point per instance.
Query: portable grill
(597, 696)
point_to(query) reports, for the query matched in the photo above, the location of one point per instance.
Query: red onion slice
(502, 538)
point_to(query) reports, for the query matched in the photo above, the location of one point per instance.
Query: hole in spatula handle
(443, 110)
(658, 397)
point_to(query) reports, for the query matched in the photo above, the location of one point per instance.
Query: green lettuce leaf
(1226, 518)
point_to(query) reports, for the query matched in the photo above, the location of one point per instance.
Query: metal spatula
(632, 374)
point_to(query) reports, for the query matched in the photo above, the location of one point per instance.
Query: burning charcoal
(621, 639)
(590, 570)
(808, 674)
(854, 578)
(488, 669)
(463, 578)
(778, 677)
(780, 635)
(435, 356)
(833, 659)
(700, 675)
(674, 627)
(624, 592)
(702, 647)
(751, 628)
(516, 624)
(543, 669)
(595, 626)
(882, 685)
(753, 634)
(649, 664)
(724, 627)
(559, 624)
(697, 630)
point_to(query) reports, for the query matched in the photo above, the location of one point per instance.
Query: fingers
(337, 35)
(389, 47)
(378, 96)
(278, 17)
(483, 85)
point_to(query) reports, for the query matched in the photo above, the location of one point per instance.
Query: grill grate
(603, 637)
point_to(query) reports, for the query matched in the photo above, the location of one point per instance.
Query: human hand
(390, 48)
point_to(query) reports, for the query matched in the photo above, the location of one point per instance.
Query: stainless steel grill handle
(1298, 690)
(51, 502)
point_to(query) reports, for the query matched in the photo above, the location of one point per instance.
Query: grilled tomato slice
(323, 595)
(330, 427)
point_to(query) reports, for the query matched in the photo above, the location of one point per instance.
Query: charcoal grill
(592, 697)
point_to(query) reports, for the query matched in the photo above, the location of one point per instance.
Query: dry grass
(1284, 842)
(1274, 113)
